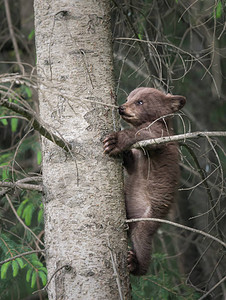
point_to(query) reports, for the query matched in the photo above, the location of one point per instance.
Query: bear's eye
(139, 102)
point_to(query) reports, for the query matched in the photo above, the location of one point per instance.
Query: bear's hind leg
(140, 255)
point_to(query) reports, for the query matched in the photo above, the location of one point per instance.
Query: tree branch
(179, 137)
(31, 116)
(20, 185)
(20, 255)
(12, 35)
(66, 267)
(213, 288)
(179, 226)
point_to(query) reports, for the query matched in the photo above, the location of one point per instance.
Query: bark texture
(84, 207)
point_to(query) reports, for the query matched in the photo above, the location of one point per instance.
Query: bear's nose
(121, 109)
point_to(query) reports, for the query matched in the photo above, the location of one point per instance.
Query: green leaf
(20, 262)
(28, 275)
(219, 10)
(43, 269)
(31, 34)
(39, 157)
(27, 214)
(15, 268)
(4, 174)
(33, 279)
(40, 216)
(5, 159)
(21, 207)
(4, 269)
(28, 91)
(37, 263)
(4, 122)
(14, 123)
(43, 277)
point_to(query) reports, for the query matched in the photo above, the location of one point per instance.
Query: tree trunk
(84, 206)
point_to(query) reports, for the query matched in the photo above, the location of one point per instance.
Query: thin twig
(12, 35)
(21, 221)
(25, 186)
(67, 267)
(179, 137)
(115, 271)
(193, 57)
(120, 7)
(21, 255)
(213, 288)
(31, 116)
(179, 226)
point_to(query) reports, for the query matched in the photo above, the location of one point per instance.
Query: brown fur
(152, 175)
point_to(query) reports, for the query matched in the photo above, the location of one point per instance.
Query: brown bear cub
(152, 174)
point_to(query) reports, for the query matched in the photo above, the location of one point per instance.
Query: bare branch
(20, 185)
(179, 226)
(66, 267)
(193, 57)
(179, 137)
(12, 35)
(116, 274)
(213, 288)
(31, 116)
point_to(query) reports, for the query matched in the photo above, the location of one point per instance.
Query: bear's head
(148, 104)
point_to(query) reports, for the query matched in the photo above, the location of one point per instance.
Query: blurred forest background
(175, 45)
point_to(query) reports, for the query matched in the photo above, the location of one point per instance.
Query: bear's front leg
(118, 142)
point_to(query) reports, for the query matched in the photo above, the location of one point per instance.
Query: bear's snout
(121, 110)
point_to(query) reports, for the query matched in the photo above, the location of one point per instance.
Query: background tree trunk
(84, 207)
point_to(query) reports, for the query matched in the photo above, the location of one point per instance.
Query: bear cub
(151, 173)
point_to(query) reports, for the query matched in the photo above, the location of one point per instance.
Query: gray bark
(84, 206)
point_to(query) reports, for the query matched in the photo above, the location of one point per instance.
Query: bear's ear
(176, 101)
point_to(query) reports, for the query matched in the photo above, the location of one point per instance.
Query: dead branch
(179, 137)
(179, 226)
(12, 35)
(20, 185)
(31, 116)
(180, 50)
(213, 288)
(116, 274)
(66, 267)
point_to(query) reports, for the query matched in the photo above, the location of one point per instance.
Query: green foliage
(219, 10)
(31, 263)
(31, 35)
(25, 271)
(30, 208)
(4, 122)
(40, 213)
(14, 123)
(27, 213)
(39, 157)
(4, 269)
(36, 271)
(164, 283)
(15, 267)
(4, 161)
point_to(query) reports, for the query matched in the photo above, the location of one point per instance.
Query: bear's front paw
(132, 262)
(110, 144)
